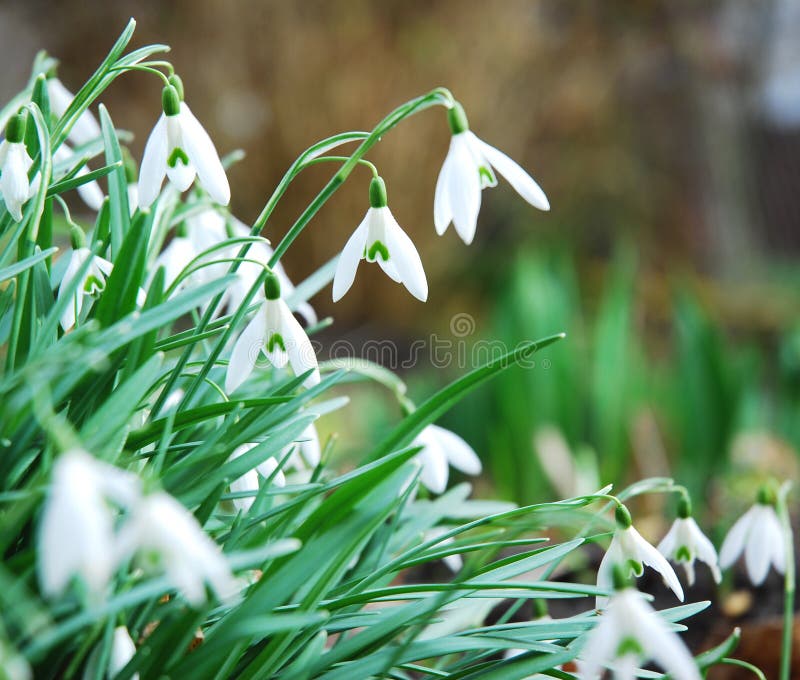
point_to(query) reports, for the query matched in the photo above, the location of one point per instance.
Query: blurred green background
(666, 136)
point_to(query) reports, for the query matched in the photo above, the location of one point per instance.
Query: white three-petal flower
(440, 449)
(76, 537)
(757, 534)
(628, 549)
(275, 332)
(380, 239)
(180, 148)
(629, 633)
(91, 284)
(14, 185)
(684, 543)
(469, 168)
(190, 558)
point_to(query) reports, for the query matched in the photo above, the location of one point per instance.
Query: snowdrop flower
(181, 149)
(92, 281)
(629, 634)
(86, 128)
(685, 542)
(249, 480)
(306, 449)
(14, 166)
(469, 168)
(90, 192)
(122, 651)
(759, 535)
(160, 524)
(441, 448)
(453, 562)
(76, 536)
(380, 239)
(629, 549)
(274, 331)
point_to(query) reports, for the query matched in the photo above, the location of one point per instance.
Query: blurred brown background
(673, 124)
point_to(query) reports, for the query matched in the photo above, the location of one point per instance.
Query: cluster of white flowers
(81, 535)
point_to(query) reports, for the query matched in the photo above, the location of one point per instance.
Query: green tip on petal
(177, 83)
(77, 237)
(15, 128)
(629, 646)
(457, 119)
(620, 577)
(684, 506)
(766, 495)
(623, 517)
(272, 287)
(182, 230)
(377, 193)
(683, 554)
(170, 100)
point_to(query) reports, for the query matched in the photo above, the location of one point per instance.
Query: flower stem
(788, 583)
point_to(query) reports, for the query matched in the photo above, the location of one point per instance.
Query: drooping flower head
(275, 332)
(379, 238)
(180, 148)
(631, 633)
(14, 166)
(160, 525)
(442, 448)
(757, 534)
(685, 542)
(92, 280)
(469, 168)
(629, 550)
(76, 537)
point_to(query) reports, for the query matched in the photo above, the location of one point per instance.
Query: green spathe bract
(138, 385)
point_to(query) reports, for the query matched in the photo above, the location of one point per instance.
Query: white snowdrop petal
(245, 351)
(434, 473)
(652, 558)
(706, 552)
(406, 258)
(442, 211)
(351, 255)
(181, 175)
(735, 541)
(459, 454)
(516, 176)
(91, 193)
(86, 128)
(659, 643)
(154, 164)
(309, 446)
(268, 467)
(778, 553)
(203, 155)
(14, 184)
(301, 353)
(122, 651)
(464, 189)
(599, 649)
(605, 572)
(758, 549)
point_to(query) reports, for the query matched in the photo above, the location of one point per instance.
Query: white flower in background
(759, 535)
(380, 239)
(13, 665)
(249, 480)
(275, 332)
(469, 168)
(453, 562)
(92, 281)
(306, 450)
(629, 550)
(14, 166)
(76, 537)
(685, 542)
(440, 449)
(629, 634)
(86, 128)
(181, 149)
(90, 192)
(191, 559)
(122, 651)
